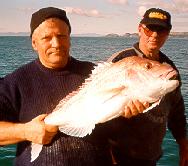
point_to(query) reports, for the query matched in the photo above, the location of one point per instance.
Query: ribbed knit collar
(61, 71)
(141, 54)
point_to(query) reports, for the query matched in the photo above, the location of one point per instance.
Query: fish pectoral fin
(117, 89)
(100, 97)
(114, 91)
(77, 131)
(35, 151)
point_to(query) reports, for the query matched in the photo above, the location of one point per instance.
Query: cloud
(157, 4)
(181, 23)
(180, 6)
(141, 10)
(2, 28)
(175, 6)
(181, 2)
(82, 12)
(121, 2)
(26, 10)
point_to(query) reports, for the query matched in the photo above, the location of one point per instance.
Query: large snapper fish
(106, 92)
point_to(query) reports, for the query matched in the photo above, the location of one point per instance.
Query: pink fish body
(106, 92)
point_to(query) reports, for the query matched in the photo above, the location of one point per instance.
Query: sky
(93, 16)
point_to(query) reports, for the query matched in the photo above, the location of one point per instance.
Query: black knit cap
(156, 16)
(50, 12)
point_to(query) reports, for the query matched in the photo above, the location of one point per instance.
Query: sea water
(16, 51)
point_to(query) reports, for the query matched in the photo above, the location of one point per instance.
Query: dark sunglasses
(150, 29)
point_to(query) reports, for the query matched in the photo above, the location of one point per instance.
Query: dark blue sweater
(33, 90)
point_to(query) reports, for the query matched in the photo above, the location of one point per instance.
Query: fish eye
(148, 65)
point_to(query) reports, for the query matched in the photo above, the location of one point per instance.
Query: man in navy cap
(137, 140)
(31, 92)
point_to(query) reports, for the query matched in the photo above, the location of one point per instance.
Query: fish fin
(101, 66)
(116, 90)
(35, 151)
(109, 93)
(152, 106)
(65, 100)
(77, 131)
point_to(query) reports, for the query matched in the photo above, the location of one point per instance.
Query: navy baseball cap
(156, 16)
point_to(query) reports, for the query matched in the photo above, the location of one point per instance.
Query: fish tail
(35, 151)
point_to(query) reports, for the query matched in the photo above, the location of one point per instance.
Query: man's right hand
(38, 132)
(35, 131)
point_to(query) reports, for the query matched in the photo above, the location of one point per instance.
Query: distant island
(28, 34)
(87, 35)
(172, 34)
(181, 34)
(125, 35)
(112, 35)
(14, 33)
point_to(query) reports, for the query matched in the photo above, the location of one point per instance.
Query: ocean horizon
(126, 34)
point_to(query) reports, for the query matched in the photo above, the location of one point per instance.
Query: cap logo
(157, 15)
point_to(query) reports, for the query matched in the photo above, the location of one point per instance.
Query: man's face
(152, 37)
(51, 39)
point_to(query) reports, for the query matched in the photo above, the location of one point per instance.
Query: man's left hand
(133, 108)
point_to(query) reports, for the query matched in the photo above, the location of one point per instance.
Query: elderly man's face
(51, 39)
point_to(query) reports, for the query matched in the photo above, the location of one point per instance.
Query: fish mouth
(170, 75)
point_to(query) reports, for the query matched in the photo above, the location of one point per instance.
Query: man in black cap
(137, 140)
(31, 92)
